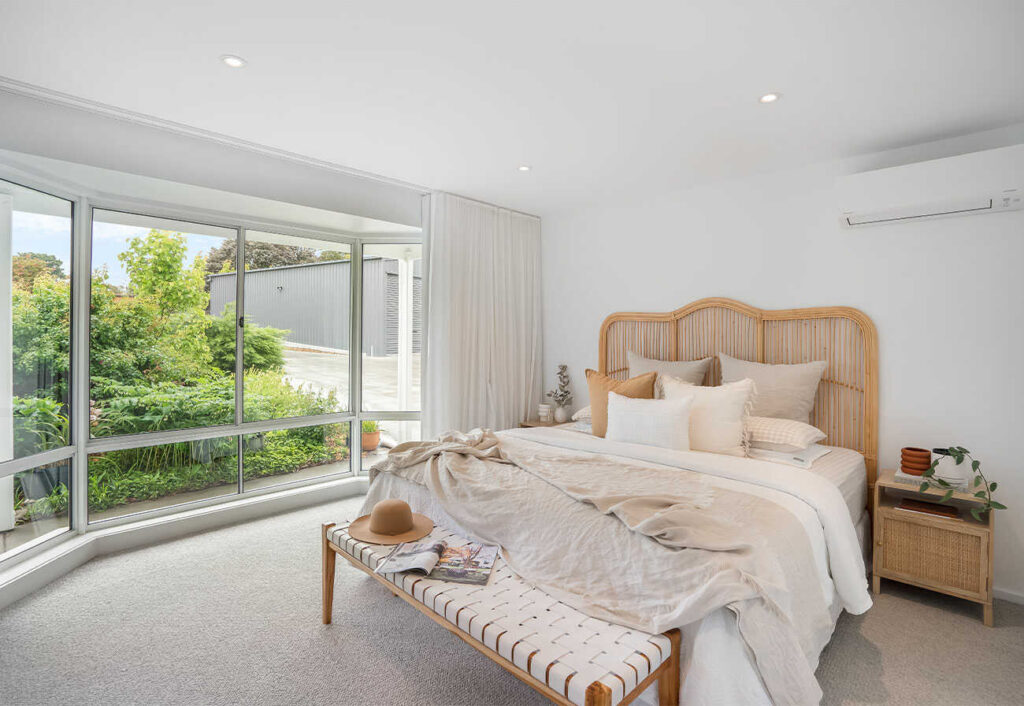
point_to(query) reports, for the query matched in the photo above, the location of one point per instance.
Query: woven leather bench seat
(558, 646)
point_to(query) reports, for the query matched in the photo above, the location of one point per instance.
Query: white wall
(946, 295)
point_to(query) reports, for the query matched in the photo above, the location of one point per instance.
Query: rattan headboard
(846, 408)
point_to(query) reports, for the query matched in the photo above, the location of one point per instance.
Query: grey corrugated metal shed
(311, 302)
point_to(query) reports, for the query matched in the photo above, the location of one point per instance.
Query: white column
(6, 362)
(405, 273)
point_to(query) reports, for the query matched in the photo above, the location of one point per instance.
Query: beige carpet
(233, 617)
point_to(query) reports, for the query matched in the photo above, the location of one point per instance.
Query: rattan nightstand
(949, 555)
(530, 423)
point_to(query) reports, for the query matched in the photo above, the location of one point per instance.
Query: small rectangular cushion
(783, 435)
(783, 391)
(717, 414)
(689, 370)
(599, 385)
(661, 423)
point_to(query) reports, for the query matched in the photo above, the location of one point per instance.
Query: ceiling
(603, 100)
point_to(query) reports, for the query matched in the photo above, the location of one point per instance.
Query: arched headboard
(846, 407)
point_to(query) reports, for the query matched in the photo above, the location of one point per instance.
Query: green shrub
(268, 396)
(39, 424)
(264, 345)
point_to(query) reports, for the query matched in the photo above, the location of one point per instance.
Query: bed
(820, 512)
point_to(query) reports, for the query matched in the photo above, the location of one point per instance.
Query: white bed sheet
(847, 470)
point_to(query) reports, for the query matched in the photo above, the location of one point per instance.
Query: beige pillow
(783, 391)
(689, 370)
(717, 414)
(781, 435)
(641, 387)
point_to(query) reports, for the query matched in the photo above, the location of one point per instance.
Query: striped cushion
(785, 435)
(556, 644)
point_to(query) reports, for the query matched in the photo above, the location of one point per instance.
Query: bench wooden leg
(668, 682)
(328, 578)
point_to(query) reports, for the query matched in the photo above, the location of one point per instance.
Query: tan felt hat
(391, 522)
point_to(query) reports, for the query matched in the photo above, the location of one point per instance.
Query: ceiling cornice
(9, 85)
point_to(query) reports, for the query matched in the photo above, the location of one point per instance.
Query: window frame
(84, 202)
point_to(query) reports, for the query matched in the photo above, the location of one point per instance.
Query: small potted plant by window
(371, 436)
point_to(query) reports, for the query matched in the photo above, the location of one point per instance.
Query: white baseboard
(1008, 595)
(32, 574)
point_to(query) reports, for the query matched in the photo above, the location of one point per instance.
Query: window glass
(35, 504)
(289, 455)
(379, 437)
(153, 477)
(35, 324)
(159, 358)
(297, 324)
(392, 326)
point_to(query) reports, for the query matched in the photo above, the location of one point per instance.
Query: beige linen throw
(642, 545)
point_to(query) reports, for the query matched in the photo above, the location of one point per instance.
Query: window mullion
(81, 296)
(355, 355)
(240, 346)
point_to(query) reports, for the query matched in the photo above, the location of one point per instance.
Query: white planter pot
(561, 415)
(959, 476)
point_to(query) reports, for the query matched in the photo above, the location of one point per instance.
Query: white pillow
(663, 423)
(803, 458)
(717, 416)
(582, 414)
(784, 391)
(781, 435)
(689, 370)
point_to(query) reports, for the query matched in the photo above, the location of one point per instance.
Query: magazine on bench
(469, 563)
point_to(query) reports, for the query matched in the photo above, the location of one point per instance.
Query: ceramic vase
(958, 476)
(561, 415)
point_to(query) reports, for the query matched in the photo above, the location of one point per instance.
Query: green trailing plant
(980, 485)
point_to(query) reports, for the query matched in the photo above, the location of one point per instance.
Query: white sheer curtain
(483, 347)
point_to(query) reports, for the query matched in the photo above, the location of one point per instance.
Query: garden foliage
(158, 361)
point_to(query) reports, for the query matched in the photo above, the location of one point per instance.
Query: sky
(34, 232)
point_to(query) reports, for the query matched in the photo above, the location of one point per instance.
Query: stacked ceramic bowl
(915, 461)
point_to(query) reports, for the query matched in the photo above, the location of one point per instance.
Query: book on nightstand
(928, 508)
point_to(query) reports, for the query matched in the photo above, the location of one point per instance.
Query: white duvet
(804, 555)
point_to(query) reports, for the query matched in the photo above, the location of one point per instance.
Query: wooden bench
(564, 654)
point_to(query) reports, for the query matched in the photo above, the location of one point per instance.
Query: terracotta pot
(371, 440)
(916, 468)
(916, 456)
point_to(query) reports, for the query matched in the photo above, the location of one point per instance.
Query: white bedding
(717, 666)
(845, 468)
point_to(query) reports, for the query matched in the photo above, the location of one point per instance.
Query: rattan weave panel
(932, 553)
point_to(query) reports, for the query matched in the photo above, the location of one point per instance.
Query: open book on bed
(469, 563)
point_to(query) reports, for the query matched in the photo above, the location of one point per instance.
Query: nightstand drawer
(948, 555)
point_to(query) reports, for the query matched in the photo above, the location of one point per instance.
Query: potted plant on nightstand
(980, 486)
(561, 395)
(371, 436)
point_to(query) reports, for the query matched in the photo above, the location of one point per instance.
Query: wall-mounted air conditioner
(968, 184)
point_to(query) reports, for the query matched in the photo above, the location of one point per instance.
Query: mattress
(846, 469)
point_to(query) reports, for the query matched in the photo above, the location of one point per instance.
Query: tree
(257, 256)
(156, 266)
(27, 266)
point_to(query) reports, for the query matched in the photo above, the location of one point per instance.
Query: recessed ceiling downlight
(769, 97)
(524, 167)
(232, 61)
